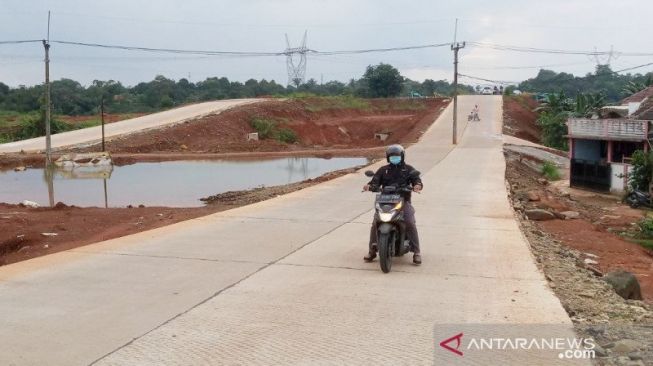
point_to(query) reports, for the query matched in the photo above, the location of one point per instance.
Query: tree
(382, 80)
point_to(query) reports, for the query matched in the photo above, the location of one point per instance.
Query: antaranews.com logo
(511, 345)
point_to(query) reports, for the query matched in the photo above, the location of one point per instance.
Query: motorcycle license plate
(388, 198)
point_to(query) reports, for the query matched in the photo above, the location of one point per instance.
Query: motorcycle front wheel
(385, 257)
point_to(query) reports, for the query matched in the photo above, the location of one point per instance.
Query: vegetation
(269, 129)
(550, 171)
(381, 81)
(557, 108)
(265, 127)
(639, 177)
(288, 136)
(603, 81)
(70, 98)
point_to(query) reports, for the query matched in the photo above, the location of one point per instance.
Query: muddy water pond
(172, 183)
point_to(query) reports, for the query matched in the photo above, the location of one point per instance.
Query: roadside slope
(94, 134)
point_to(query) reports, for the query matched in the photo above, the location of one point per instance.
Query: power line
(526, 67)
(24, 41)
(391, 49)
(489, 80)
(171, 50)
(634, 67)
(500, 47)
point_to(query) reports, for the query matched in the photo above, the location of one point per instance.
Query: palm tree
(633, 87)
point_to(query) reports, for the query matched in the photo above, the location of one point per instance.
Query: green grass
(550, 171)
(268, 128)
(286, 135)
(316, 104)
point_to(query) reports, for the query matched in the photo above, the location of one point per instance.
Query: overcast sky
(258, 25)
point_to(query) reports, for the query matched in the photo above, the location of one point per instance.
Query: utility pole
(102, 119)
(455, 47)
(48, 143)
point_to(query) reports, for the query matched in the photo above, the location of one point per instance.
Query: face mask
(394, 160)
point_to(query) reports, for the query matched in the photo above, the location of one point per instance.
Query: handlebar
(404, 189)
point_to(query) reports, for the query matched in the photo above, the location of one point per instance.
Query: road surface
(283, 281)
(94, 134)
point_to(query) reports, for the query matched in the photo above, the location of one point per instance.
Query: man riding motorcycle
(397, 173)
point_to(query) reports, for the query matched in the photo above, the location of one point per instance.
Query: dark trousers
(411, 228)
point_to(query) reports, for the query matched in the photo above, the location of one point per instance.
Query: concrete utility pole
(102, 119)
(48, 142)
(455, 47)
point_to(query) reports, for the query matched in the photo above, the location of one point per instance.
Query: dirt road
(283, 281)
(94, 134)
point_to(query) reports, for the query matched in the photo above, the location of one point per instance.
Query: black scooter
(638, 198)
(389, 218)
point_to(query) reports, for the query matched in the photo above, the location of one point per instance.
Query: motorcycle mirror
(415, 174)
(369, 173)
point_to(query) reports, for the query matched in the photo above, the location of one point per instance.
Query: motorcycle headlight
(386, 216)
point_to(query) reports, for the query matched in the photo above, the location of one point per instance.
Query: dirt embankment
(32, 232)
(519, 119)
(593, 232)
(318, 123)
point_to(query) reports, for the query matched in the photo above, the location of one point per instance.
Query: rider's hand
(417, 188)
(366, 187)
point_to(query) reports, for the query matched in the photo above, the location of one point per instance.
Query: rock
(542, 181)
(183, 147)
(141, 206)
(19, 169)
(595, 271)
(625, 284)
(590, 255)
(533, 196)
(569, 215)
(538, 214)
(600, 351)
(46, 246)
(49, 234)
(635, 356)
(590, 261)
(31, 204)
(60, 205)
(626, 346)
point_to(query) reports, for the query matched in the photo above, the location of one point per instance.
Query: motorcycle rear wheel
(385, 257)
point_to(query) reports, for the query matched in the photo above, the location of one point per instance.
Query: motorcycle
(473, 117)
(638, 198)
(389, 219)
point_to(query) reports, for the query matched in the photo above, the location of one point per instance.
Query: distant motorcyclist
(475, 116)
(397, 173)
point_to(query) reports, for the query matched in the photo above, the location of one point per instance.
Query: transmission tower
(296, 73)
(607, 58)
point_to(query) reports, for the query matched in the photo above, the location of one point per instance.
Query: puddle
(172, 183)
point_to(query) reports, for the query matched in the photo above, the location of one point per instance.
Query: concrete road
(94, 134)
(283, 281)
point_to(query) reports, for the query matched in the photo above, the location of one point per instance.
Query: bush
(550, 171)
(268, 128)
(640, 176)
(287, 135)
(34, 126)
(554, 129)
(646, 227)
(265, 127)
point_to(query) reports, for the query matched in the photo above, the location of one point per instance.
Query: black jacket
(389, 175)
